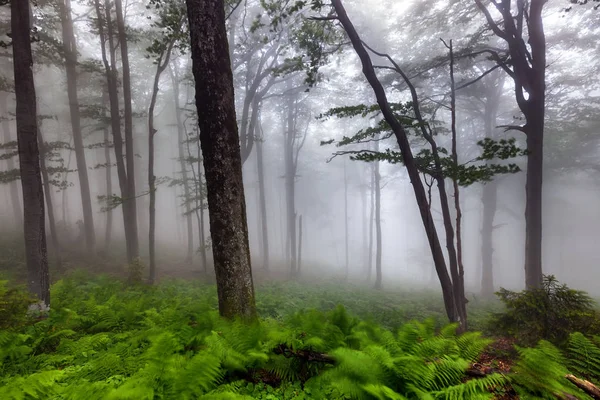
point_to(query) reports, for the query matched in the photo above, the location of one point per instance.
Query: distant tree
(525, 63)
(170, 23)
(69, 50)
(29, 158)
(6, 136)
(222, 159)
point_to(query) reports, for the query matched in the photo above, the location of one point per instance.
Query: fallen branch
(307, 355)
(584, 385)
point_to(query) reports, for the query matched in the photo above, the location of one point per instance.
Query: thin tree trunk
(184, 172)
(371, 222)
(163, 62)
(38, 281)
(346, 234)
(48, 197)
(290, 181)
(489, 200)
(459, 284)
(378, 238)
(13, 185)
(201, 227)
(364, 229)
(262, 197)
(109, 213)
(299, 264)
(219, 139)
(411, 167)
(130, 203)
(70, 54)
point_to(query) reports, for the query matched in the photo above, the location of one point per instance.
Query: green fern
(584, 357)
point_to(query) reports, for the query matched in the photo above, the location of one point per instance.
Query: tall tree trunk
(459, 281)
(528, 72)
(290, 181)
(346, 234)
(13, 186)
(184, 172)
(130, 203)
(262, 197)
(371, 222)
(201, 223)
(299, 263)
(364, 228)
(108, 36)
(38, 281)
(163, 62)
(411, 167)
(378, 238)
(109, 213)
(489, 201)
(219, 139)
(48, 197)
(70, 54)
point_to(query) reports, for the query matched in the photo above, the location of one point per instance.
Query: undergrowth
(106, 339)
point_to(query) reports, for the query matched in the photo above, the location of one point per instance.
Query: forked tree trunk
(219, 139)
(528, 71)
(48, 197)
(34, 224)
(130, 202)
(13, 186)
(70, 54)
(411, 167)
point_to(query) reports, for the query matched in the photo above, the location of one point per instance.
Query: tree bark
(38, 281)
(262, 197)
(130, 201)
(184, 172)
(70, 54)
(13, 186)
(219, 139)
(409, 162)
(48, 197)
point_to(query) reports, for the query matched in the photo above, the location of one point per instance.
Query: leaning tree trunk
(409, 162)
(48, 197)
(38, 280)
(130, 203)
(70, 54)
(219, 139)
(13, 185)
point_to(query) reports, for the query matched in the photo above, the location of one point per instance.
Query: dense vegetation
(109, 339)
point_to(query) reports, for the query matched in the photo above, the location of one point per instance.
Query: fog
(332, 193)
